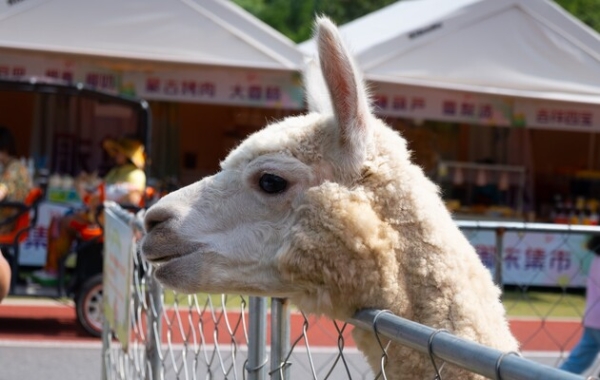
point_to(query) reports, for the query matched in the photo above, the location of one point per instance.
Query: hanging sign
(119, 248)
(220, 86)
(483, 109)
(216, 85)
(536, 259)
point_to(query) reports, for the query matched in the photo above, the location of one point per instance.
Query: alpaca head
(295, 210)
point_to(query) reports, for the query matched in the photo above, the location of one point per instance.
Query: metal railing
(441, 344)
(176, 336)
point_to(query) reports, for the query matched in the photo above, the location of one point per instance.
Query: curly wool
(388, 242)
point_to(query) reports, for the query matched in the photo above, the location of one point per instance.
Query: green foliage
(294, 18)
(587, 11)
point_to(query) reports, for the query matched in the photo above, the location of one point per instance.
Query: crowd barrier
(153, 333)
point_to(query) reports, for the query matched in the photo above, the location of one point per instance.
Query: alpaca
(328, 210)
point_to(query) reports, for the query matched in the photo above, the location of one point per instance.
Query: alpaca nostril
(156, 216)
(149, 225)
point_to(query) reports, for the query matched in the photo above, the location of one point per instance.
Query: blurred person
(585, 352)
(5, 274)
(124, 183)
(15, 181)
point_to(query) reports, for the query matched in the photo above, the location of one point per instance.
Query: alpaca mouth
(160, 260)
(157, 256)
(157, 261)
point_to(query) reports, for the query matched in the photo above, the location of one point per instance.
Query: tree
(587, 11)
(294, 18)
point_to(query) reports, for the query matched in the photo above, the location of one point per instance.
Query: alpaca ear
(317, 95)
(346, 90)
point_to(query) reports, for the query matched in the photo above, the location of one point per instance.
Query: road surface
(40, 339)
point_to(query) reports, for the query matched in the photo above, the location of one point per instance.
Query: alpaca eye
(272, 184)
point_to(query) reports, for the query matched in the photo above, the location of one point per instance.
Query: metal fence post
(154, 332)
(106, 334)
(257, 339)
(499, 256)
(280, 338)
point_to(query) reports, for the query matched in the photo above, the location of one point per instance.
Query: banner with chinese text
(201, 84)
(219, 86)
(423, 103)
(283, 89)
(538, 259)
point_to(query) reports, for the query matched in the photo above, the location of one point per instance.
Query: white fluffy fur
(358, 226)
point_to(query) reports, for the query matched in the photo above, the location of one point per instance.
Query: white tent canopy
(529, 55)
(209, 32)
(208, 51)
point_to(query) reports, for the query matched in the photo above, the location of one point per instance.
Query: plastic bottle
(31, 169)
(587, 216)
(562, 216)
(555, 214)
(578, 214)
(593, 219)
(573, 216)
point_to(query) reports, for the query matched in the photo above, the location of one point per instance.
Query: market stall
(211, 71)
(500, 100)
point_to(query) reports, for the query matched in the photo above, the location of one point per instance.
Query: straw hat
(132, 149)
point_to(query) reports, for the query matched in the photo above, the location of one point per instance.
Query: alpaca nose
(156, 215)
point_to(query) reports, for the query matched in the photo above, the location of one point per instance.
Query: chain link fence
(541, 268)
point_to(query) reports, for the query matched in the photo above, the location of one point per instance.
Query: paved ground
(20, 360)
(40, 339)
